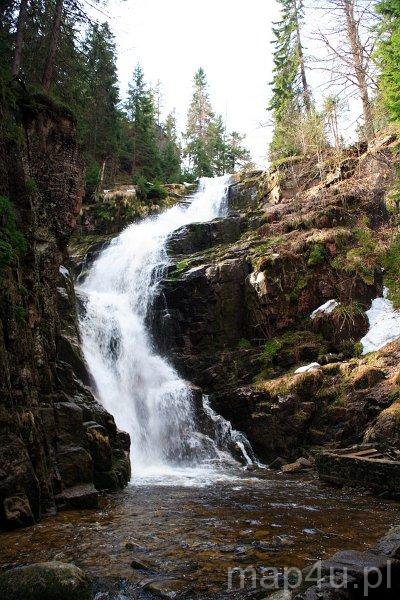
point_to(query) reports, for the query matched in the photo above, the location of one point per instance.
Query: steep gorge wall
(57, 444)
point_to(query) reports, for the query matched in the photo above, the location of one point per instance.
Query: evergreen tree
(236, 154)
(197, 136)
(146, 160)
(389, 54)
(217, 145)
(100, 117)
(289, 87)
(171, 152)
(291, 96)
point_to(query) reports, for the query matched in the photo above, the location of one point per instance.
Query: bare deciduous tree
(350, 45)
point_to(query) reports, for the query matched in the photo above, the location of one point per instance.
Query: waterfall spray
(138, 387)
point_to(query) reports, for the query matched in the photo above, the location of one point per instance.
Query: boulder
(45, 581)
(301, 464)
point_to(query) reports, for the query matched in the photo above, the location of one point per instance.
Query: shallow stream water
(189, 533)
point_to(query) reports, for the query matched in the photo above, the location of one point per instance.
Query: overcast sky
(230, 39)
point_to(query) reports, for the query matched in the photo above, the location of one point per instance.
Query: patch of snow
(275, 255)
(384, 324)
(257, 280)
(105, 191)
(64, 271)
(131, 191)
(326, 308)
(311, 367)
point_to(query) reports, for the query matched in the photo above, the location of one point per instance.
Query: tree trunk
(360, 72)
(19, 38)
(54, 37)
(304, 82)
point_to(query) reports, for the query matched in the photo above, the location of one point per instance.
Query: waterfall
(138, 387)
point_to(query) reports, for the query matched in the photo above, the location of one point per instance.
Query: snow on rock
(326, 308)
(311, 367)
(257, 280)
(63, 271)
(384, 324)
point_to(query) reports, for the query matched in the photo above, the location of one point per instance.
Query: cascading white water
(143, 392)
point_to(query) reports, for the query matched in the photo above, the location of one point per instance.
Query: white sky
(230, 39)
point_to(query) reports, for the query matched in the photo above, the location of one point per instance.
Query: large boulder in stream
(45, 581)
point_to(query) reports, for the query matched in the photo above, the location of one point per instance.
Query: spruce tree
(217, 145)
(197, 136)
(100, 117)
(291, 96)
(170, 152)
(289, 87)
(146, 160)
(236, 154)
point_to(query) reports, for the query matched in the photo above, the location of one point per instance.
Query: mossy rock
(347, 322)
(386, 429)
(45, 581)
(366, 377)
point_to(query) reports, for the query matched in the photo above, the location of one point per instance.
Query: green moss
(31, 186)
(391, 264)
(317, 255)
(300, 284)
(180, 267)
(364, 258)
(244, 344)
(358, 349)
(12, 243)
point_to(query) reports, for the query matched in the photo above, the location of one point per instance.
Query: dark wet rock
(352, 575)
(45, 581)
(389, 545)
(243, 194)
(201, 236)
(17, 511)
(45, 395)
(137, 564)
(79, 496)
(168, 588)
(301, 464)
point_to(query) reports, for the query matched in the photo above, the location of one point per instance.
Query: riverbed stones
(45, 581)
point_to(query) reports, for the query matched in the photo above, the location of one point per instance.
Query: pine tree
(389, 54)
(197, 136)
(146, 160)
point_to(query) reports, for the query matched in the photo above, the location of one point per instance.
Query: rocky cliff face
(57, 444)
(235, 309)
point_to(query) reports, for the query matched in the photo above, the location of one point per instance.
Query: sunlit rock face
(292, 288)
(56, 441)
